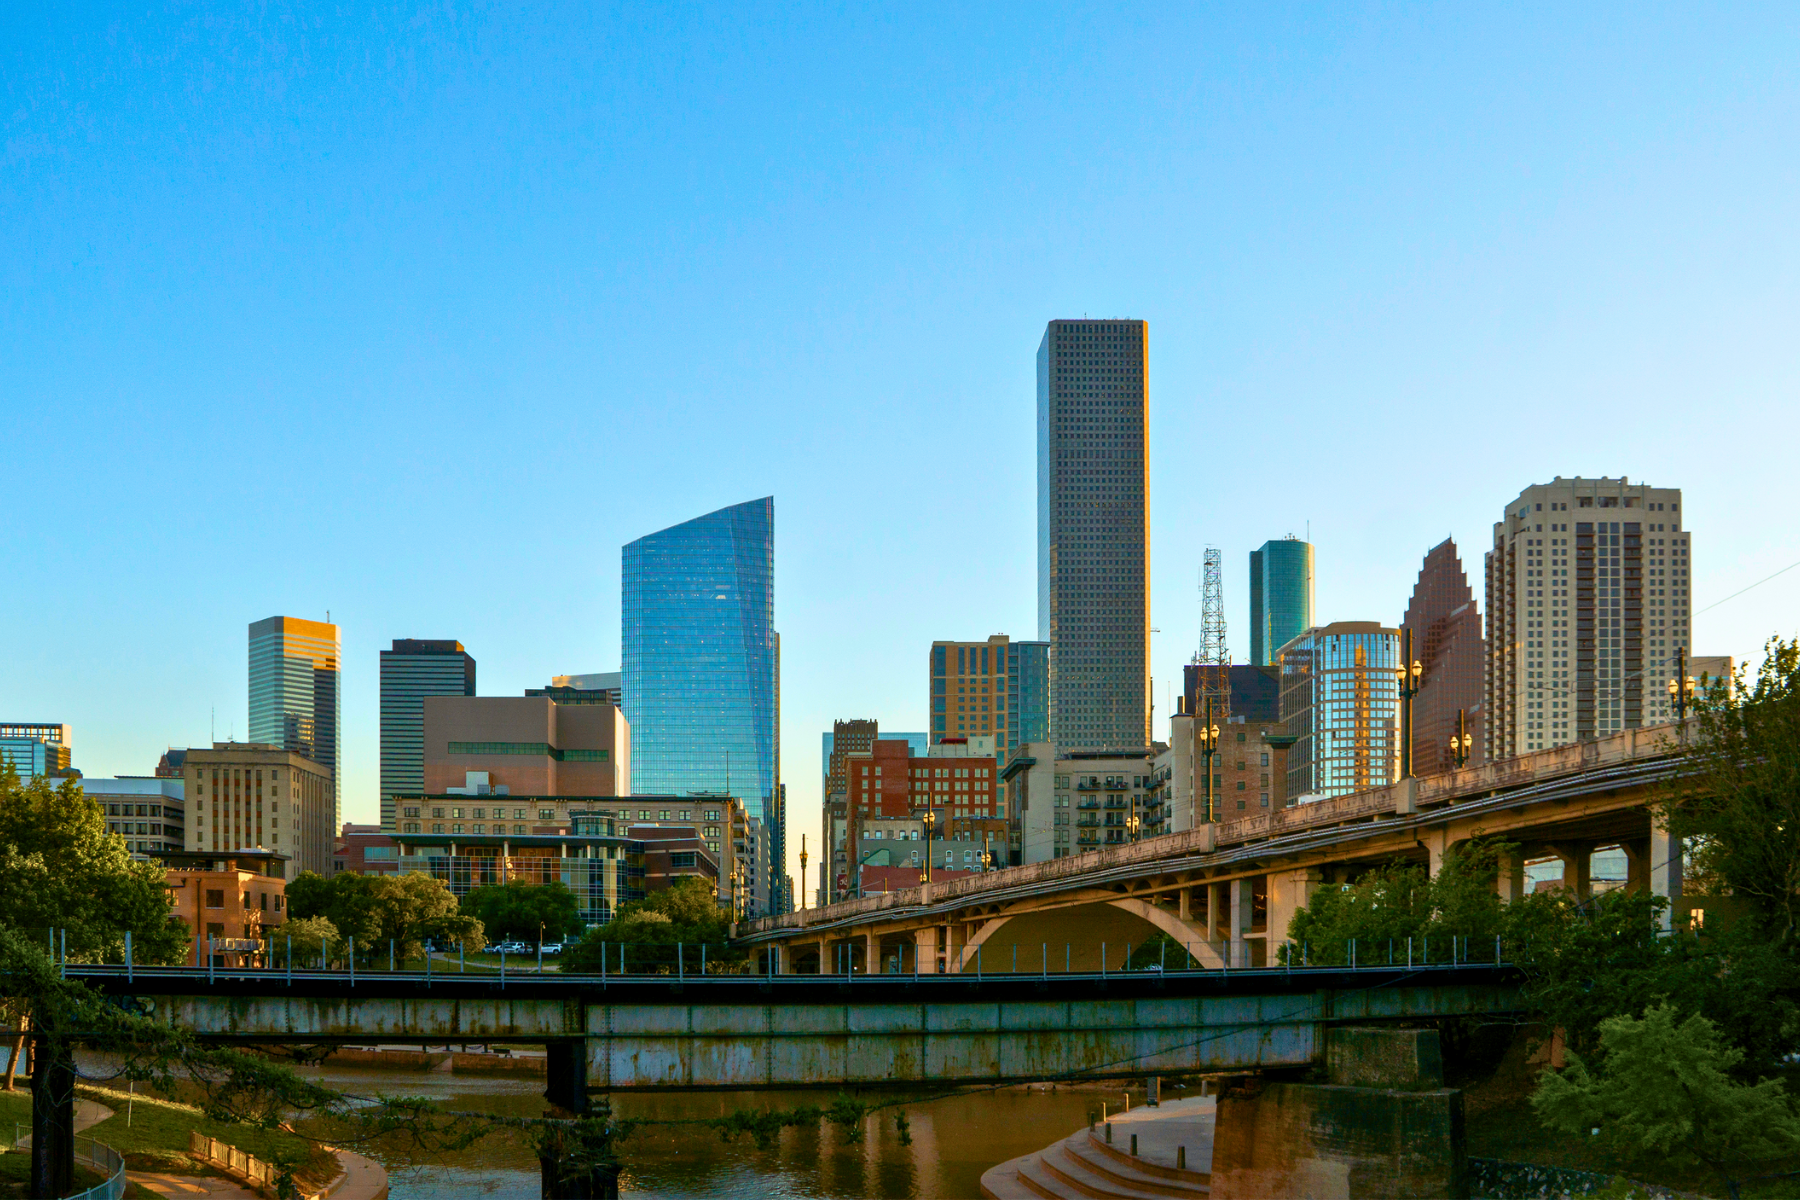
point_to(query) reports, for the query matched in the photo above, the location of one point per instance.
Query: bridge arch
(1081, 936)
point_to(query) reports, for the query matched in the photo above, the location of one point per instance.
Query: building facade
(1077, 802)
(364, 850)
(1340, 701)
(1281, 596)
(524, 745)
(998, 688)
(244, 796)
(1093, 418)
(956, 781)
(1589, 612)
(296, 693)
(150, 814)
(1447, 644)
(1249, 772)
(702, 661)
(233, 903)
(34, 748)
(604, 687)
(414, 669)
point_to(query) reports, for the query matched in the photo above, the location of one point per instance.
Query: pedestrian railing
(105, 1162)
(262, 1176)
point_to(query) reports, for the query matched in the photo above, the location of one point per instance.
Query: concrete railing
(1402, 798)
(246, 1168)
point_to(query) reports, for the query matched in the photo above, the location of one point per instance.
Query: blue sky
(418, 317)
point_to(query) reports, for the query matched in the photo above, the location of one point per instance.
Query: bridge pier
(1665, 869)
(925, 950)
(1578, 862)
(565, 1083)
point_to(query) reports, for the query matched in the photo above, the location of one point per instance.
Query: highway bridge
(1228, 891)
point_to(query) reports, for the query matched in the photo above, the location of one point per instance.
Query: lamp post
(1131, 826)
(928, 820)
(1681, 688)
(1461, 741)
(1208, 736)
(1410, 672)
(803, 870)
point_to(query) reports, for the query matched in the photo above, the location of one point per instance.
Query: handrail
(109, 1163)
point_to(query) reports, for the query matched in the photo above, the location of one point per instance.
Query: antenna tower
(1215, 655)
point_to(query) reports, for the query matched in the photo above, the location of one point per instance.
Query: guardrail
(240, 1165)
(106, 1162)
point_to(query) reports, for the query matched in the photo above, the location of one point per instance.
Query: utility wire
(1757, 584)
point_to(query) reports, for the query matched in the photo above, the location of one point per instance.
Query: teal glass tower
(702, 661)
(1281, 596)
(295, 693)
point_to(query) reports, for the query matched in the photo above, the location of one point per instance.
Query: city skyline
(842, 312)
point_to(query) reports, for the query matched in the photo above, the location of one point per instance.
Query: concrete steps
(1083, 1167)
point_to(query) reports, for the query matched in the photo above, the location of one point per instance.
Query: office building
(233, 903)
(34, 748)
(1447, 643)
(890, 788)
(846, 738)
(150, 814)
(296, 693)
(998, 688)
(702, 660)
(1340, 701)
(524, 746)
(414, 669)
(247, 796)
(1094, 531)
(604, 687)
(364, 850)
(1249, 770)
(1076, 802)
(1254, 692)
(1281, 596)
(172, 763)
(1588, 612)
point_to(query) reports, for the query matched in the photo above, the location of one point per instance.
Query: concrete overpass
(1228, 891)
(743, 1031)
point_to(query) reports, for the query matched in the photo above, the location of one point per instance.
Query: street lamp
(1208, 735)
(803, 870)
(1461, 741)
(1411, 669)
(1681, 688)
(1131, 826)
(928, 820)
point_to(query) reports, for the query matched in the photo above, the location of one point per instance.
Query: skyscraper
(1446, 629)
(1093, 531)
(1340, 700)
(1588, 611)
(414, 669)
(1281, 596)
(702, 661)
(989, 689)
(295, 693)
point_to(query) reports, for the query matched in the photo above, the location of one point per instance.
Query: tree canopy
(520, 909)
(1397, 901)
(60, 868)
(375, 909)
(687, 912)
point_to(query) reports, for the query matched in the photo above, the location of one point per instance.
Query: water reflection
(953, 1141)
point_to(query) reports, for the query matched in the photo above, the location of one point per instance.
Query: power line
(1757, 584)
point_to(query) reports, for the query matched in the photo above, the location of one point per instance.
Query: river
(954, 1140)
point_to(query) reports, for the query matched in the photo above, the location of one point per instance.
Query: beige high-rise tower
(1588, 611)
(1094, 531)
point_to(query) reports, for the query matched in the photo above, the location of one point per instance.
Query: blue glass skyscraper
(702, 661)
(1281, 596)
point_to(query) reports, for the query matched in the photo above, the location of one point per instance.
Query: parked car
(553, 947)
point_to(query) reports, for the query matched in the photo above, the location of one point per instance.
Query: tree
(1737, 800)
(376, 909)
(1664, 1090)
(61, 869)
(519, 909)
(1397, 901)
(309, 938)
(687, 913)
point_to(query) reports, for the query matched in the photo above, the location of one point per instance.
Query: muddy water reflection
(953, 1141)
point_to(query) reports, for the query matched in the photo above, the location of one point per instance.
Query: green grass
(156, 1136)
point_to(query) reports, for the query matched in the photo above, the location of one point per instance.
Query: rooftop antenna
(1215, 654)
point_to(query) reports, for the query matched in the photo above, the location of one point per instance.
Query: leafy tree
(1664, 1091)
(309, 936)
(374, 909)
(688, 912)
(60, 868)
(1398, 901)
(518, 909)
(1738, 800)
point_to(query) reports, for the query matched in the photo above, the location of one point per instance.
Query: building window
(215, 898)
(546, 814)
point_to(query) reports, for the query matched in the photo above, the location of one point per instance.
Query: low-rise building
(148, 813)
(364, 850)
(1079, 801)
(248, 796)
(231, 902)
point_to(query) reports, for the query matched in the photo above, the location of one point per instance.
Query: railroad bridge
(1228, 891)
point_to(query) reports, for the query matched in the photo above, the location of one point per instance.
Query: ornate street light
(1681, 688)
(1208, 737)
(1461, 741)
(1411, 671)
(928, 820)
(803, 870)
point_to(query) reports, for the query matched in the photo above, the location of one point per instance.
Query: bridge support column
(1434, 841)
(565, 1083)
(1510, 882)
(1665, 870)
(1578, 861)
(925, 947)
(1184, 904)
(871, 954)
(1637, 865)
(778, 959)
(1237, 951)
(1289, 892)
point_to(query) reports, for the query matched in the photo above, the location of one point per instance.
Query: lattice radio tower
(1215, 655)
